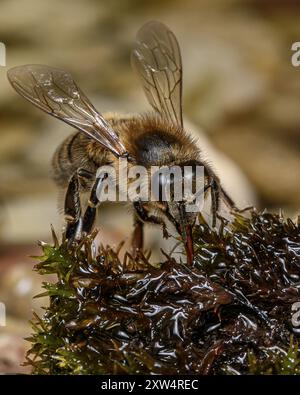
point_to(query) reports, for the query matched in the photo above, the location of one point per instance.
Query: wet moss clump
(230, 313)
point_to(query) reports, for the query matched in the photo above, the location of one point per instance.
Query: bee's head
(180, 188)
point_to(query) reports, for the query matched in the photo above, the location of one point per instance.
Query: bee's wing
(156, 58)
(55, 92)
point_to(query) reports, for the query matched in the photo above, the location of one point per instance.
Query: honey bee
(157, 138)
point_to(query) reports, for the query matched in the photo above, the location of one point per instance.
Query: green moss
(228, 314)
(276, 361)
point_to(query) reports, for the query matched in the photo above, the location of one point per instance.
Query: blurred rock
(12, 351)
(269, 164)
(19, 284)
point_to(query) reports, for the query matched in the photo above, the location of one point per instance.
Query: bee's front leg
(138, 235)
(215, 200)
(72, 208)
(93, 202)
(142, 215)
(230, 203)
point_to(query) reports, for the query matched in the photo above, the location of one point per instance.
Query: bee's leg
(215, 200)
(230, 203)
(137, 241)
(90, 212)
(227, 200)
(72, 208)
(144, 216)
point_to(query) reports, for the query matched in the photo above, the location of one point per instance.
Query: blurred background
(241, 98)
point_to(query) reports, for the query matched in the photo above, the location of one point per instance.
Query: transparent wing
(157, 60)
(55, 92)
